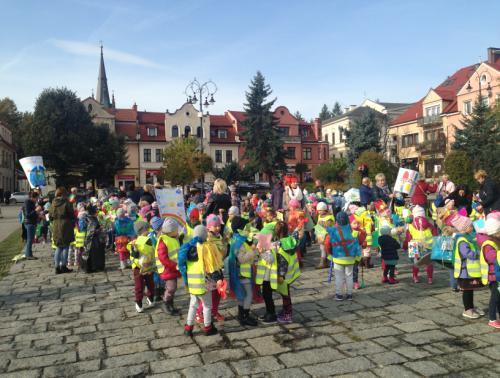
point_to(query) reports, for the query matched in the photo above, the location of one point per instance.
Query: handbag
(442, 249)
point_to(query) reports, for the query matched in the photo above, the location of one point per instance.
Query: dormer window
(152, 131)
(222, 134)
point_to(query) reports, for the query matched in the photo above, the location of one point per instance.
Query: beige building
(7, 159)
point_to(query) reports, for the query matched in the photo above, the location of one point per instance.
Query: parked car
(19, 197)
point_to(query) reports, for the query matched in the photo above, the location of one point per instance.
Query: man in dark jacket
(30, 221)
(381, 190)
(489, 193)
(365, 192)
(277, 194)
(133, 194)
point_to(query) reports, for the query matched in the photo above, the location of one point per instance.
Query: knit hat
(213, 221)
(288, 244)
(140, 227)
(294, 204)
(238, 223)
(492, 224)
(418, 211)
(342, 218)
(234, 211)
(385, 230)
(461, 223)
(156, 223)
(169, 225)
(201, 232)
(322, 206)
(194, 214)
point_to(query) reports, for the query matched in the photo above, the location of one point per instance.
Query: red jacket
(421, 190)
(170, 272)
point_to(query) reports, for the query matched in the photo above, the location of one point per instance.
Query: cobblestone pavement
(86, 326)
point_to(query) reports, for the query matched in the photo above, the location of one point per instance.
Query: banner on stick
(406, 181)
(171, 203)
(35, 170)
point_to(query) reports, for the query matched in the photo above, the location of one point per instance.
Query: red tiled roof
(240, 116)
(220, 120)
(452, 107)
(160, 133)
(125, 130)
(125, 115)
(411, 114)
(151, 117)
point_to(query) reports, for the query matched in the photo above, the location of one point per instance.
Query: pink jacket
(490, 256)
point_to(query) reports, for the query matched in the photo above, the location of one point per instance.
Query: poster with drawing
(171, 203)
(406, 181)
(35, 170)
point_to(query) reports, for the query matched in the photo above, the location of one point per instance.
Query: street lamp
(196, 91)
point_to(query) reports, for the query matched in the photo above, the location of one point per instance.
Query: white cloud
(89, 49)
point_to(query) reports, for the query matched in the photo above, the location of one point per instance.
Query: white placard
(406, 181)
(35, 170)
(171, 204)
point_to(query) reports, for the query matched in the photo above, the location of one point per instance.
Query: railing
(430, 120)
(432, 146)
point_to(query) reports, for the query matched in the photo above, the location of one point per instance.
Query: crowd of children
(252, 248)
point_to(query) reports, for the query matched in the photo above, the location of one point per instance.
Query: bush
(458, 166)
(333, 171)
(376, 164)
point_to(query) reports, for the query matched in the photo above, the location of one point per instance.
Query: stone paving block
(71, 370)
(88, 350)
(457, 345)
(41, 335)
(412, 353)
(169, 342)
(462, 361)
(175, 364)
(346, 365)
(427, 337)
(5, 358)
(476, 328)
(311, 342)
(289, 373)
(255, 332)
(267, 345)
(45, 349)
(481, 372)
(390, 342)
(426, 368)
(361, 348)
(376, 332)
(181, 351)
(490, 353)
(35, 373)
(395, 371)
(311, 356)
(417, 326)
(131, 359)
(387, 358)
(130, 348)
(42, 361)
(219, 370)
(207, 343)
(222, 355)
(327, 329)
(128, 371)
(256, 365)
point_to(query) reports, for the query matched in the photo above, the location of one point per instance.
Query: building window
(152, 131)
(409, 140)
(432, 135)
(324, 154)
(305, 132)
(284, 131)
(290, 152)
(222, 134)
(187, 131)
(89, 108)
(307, 153)
(175, 131)
(485, 100)
(326, 138)
(199, 133)
(147, 155)
(159, 157)
(341, 135)
(467, 107)
(229, 156)
(218, 156)
(341, 155)
(484, 78)
(432, 111)
(333, 138)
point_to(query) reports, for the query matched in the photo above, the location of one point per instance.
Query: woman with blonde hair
(219, 200)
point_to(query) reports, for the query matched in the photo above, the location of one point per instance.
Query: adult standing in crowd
(445, 187)
(462, 198)
(489, 193)
(319, 188)
(422, 189)
(30, 221)
(148, 194)
(62, 217)
(277, 195)
(219, 200)
(133, 194)
(293, 192)
(380, 190)
(365, 192)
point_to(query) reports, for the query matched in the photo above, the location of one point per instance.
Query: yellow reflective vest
(263, 267)
(472, 266)
(79, 238)
(196, 274)
(292, 273)
(422, 236)
(323, 220)
(246, 269)
(484, 265)
(173, 248)
(143, 248)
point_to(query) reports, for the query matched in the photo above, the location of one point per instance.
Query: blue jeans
(61, 256)
(30, 235)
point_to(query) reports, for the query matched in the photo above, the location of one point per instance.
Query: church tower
(102, 95)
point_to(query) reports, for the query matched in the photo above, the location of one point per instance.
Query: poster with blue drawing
(35, 170)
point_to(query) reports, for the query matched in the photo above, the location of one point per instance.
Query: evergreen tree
(324, 114)
(263, 146)
(14, 120)
(479, 138)
(336, 110)
(298, 116)
(364, 135)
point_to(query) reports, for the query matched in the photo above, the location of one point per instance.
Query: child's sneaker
(217, 317)
(199, 318)
(478, 311)
(385, 279)
(494, 323)
(470, 314)
(392, 281)
(188, 330)
(149, 302)
(138, 308)
(348, 297)
(356, 286)
(269, 319)
(429, 281)
(339, 297)
(210, 330)
(122, 265)
(285, 318)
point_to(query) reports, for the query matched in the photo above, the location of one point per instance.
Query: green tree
(324, 114)
(376, 164)
(300, 169)
(332, 171)
(299, 116)
(364, 135)
(458, 166)
(183, 163)
(336, 109)
(479, 138)
(15, 121)
(263, 146)
(229, 173)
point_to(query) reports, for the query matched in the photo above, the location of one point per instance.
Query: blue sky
(311, 52)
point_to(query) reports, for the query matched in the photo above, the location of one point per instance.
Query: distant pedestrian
(30, 220)
(489, 192)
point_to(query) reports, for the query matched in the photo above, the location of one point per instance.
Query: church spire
(102, 96)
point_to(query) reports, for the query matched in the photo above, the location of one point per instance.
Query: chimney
(317, 129)
(346, 109)
(352, 107)
(134, 106)
(493, 55)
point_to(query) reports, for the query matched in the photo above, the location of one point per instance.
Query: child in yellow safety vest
(490, 264)
(80, 231)
(325, 220)
(142, 254)
(200, 290)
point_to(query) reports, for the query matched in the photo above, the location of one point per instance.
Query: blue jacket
(365, 194)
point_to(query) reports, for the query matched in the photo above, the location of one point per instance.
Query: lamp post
(137, 139)
(196, 91)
